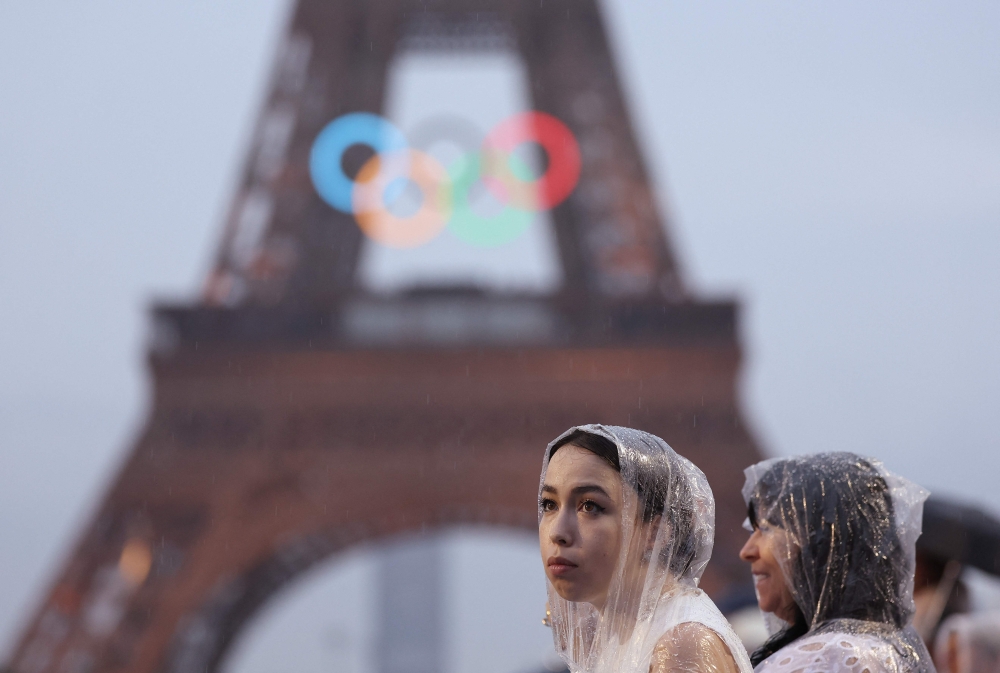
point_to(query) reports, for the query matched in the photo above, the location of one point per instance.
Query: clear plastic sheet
(652, 616)
(843, 532)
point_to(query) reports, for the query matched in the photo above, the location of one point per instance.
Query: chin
(769, 605)
(569, 591)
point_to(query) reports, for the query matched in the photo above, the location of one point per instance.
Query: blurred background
(837, 168)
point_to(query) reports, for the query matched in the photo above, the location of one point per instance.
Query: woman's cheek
(609, 541)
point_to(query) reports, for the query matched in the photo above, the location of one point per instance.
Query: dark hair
(849, 562)
(654, 481)
(602, 447)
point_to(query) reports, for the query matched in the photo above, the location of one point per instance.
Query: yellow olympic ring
(379, 176)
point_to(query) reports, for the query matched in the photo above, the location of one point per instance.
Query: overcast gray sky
(835, 165)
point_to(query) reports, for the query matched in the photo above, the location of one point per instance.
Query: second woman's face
(580, 531)
(766, 545)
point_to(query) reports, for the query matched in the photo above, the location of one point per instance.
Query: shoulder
(832, 653)
(692, 647)
(690, 632)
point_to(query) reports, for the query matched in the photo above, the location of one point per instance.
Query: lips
(560, 566)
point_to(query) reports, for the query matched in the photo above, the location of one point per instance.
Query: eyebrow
(579, 490)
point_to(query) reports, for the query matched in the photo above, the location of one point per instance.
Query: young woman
(832, 553)
(626, 527)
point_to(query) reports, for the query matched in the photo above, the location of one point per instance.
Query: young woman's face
(580, 531)
(766, 544)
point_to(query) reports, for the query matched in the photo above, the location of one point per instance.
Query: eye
(547, 505)
(590, 507)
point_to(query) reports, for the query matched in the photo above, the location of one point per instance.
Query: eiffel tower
(288, 395)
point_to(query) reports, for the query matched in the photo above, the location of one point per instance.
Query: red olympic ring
(564, 161)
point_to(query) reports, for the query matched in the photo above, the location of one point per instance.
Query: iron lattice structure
(288, 396)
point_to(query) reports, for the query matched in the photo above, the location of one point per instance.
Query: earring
(547, 620)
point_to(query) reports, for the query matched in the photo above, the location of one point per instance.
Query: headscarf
(658, 483)
(848, 547)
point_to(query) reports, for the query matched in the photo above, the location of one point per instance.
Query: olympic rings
(446, 194)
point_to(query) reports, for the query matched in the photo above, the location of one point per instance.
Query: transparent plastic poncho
(843, 530)
(655, 617)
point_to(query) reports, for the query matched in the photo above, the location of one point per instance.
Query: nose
(563, 529)
(750, 553)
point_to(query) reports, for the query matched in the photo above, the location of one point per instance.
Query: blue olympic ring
(356, 128)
